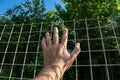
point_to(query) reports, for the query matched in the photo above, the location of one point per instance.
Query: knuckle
(60, 47)
(55, 37)
(64, 39)
(56, 32)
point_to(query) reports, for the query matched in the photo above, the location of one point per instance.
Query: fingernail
(47, 33)
(43, 38)
(78, 44)
(55, 27)
(66, 30)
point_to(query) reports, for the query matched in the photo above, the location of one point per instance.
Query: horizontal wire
(101, 50)
(105, 38)
(17, 32)
(79, 65)
(18, 78)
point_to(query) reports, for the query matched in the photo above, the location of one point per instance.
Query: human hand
(56, 54)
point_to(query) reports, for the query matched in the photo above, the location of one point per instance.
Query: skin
(57, 59)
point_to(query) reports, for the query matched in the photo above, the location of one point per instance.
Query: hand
(56, 53)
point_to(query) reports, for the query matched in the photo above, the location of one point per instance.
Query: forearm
(49, 73)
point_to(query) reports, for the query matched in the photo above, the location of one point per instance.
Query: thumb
(73, 55)
(75, 51)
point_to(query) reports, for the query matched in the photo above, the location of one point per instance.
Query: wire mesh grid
(21, 53)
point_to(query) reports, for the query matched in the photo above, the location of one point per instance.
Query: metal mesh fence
(21, 53)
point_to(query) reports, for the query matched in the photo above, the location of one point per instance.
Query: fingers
(55, 36)
(48, 40)
(65, 37)
(43, 45)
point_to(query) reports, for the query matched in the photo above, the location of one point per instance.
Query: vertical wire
(38, 47)
(2, 32)
(51, 29)
(16, 51)
(117, 2)
(116, 39)
(26, 52)
(63, 25)
(62, 30)
(106, 66)
(7, 47)
(76, 70)
(91, 72)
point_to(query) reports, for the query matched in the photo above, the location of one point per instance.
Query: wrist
(57, 70)
(50, 72)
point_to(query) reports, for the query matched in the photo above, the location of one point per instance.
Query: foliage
(80, 9)
(30, 11)
(78, 13)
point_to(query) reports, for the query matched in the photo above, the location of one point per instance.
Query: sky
(6, 4)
